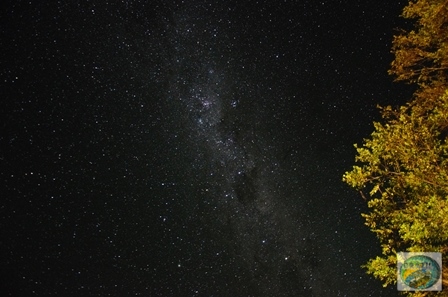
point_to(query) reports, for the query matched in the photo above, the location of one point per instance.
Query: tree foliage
(421, 55)
(402, 169)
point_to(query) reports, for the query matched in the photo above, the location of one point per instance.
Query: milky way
(239, 173)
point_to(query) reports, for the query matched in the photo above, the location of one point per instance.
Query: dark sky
(189, 148)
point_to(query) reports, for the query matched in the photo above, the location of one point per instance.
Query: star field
(189, 148)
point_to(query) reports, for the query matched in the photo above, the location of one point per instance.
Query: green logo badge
(419, 271)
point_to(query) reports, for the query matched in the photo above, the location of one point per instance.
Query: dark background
(189, 148)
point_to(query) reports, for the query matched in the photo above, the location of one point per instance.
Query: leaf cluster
(402, 170)
(421, 55)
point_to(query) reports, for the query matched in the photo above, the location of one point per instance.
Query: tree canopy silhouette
(402, 169)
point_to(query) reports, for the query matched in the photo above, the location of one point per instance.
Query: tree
(402, 169)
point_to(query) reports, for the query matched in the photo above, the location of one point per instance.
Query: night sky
(189, 148)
